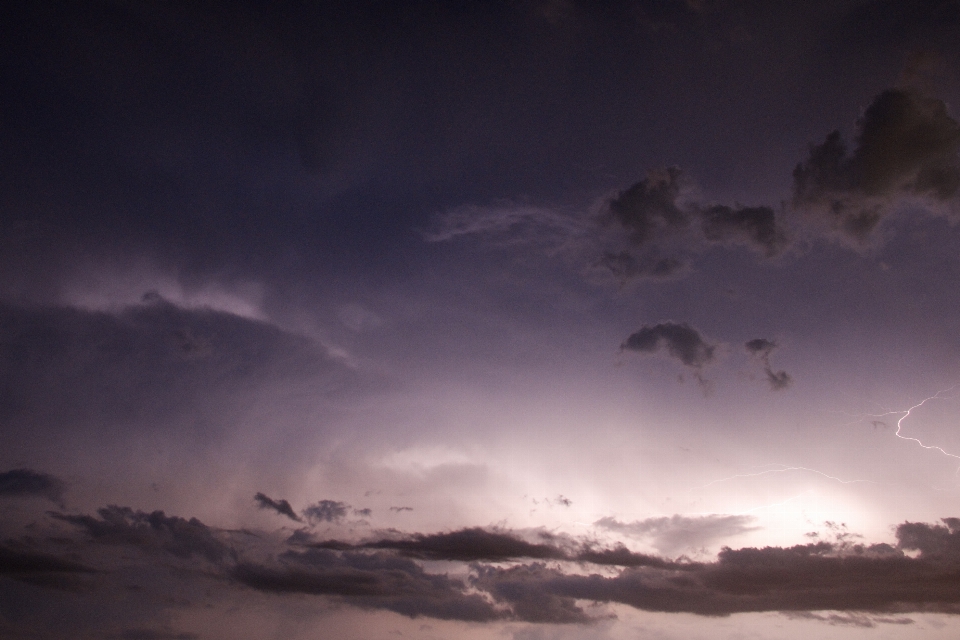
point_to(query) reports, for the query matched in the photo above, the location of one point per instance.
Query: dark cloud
(151, 532)
(326, 511)
(753, 226)
(907, 145)
(648, 210)
(839, 576)
(620, 556)
(464, 545)
(39, 568)
(682, 533)
(26, 482)
(802, 578)
(280, 506)
(376, 580)
(762, 348)
(681, 341)
(932, 541)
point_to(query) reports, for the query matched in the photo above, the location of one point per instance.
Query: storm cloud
(26, 482)
(280, 506)
(649, 210)
(154, 531)
(465, 545)
(508, 577)
(906, 145)
(680, 340)
(327, 511)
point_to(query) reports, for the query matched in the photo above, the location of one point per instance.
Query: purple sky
(527, 320)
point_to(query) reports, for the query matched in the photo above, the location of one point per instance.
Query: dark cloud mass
(328, 511)
(681, 341)
(907, 145)
(465, 545)
(649, 208)
(280, 506)
(375, 580)
(385, 574)
(42, 569)
(151, 532)
(26, 482)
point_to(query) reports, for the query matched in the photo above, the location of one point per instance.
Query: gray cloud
(762, 348)
(681, 341)
(327, 511)
(38, 568)
(907, 145)
(465, 545)
(648, 210)
(26, 482)
(681, 533)
(839, 576)
(151, 531)
(377, 580)
(810, 577)
(280, 506)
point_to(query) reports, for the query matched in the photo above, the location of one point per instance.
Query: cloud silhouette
(906, 145)
(26, 482)
(681, 341)
(280, 506)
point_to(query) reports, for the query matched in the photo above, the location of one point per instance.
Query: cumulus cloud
(26, 482)
(680, 340)
(280, 506)
(906, 145)
(761, 348)
(678, 533)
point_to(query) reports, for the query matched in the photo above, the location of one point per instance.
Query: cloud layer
(505, 576)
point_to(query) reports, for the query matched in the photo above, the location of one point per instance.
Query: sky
(526, 320)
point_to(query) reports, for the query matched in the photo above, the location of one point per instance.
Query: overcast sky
(531, 320)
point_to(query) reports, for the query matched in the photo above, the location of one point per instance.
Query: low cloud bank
(523, 576)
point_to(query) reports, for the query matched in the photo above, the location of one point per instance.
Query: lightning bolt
(906, 414)
(782, 470)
